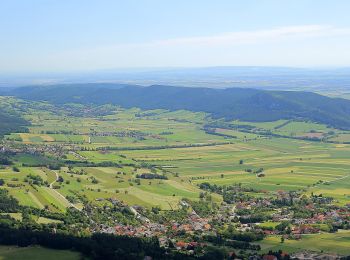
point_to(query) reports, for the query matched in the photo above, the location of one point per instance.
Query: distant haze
(281, 78)
(86, 35)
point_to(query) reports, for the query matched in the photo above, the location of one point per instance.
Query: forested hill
(231, 103)
(11, 123)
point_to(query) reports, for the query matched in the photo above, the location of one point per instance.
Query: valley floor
(160, 161)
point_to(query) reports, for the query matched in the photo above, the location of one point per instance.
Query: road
(59, 194)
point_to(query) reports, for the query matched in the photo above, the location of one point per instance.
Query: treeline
(231, 193)
(229, 126)
(151, 176)
(248, 236)
(7, 204)
(5, 159)
(113, 148)
(64, 132)
(212, 131)
(97, 246)
(240, 244)
(93, 164)
(52, 165)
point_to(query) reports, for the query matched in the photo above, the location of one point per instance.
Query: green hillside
(232, 103)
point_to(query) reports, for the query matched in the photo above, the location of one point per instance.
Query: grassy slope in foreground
(37, 253)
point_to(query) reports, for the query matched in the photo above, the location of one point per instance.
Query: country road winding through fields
(59, 194)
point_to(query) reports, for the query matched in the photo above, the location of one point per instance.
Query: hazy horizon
(82, 36)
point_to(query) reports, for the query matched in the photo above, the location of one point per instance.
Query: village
(244, 218)
(193, 230)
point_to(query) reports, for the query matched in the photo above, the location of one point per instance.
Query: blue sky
(76, 35)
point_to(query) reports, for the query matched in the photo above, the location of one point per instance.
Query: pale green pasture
(326, 242)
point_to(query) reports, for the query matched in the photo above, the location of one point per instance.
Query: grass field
(341, 137)
(325, 242)
(288, 164)
(177, 145)
(37, 253)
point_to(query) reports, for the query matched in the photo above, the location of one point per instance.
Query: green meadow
(179, 147)
(38, 253)
(324, 242)
(103, 156)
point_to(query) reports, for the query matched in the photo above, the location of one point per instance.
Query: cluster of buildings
(56, 149)
(144, 230)
(166, 233)
(192, 223)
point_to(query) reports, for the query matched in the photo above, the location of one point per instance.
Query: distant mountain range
(233, 103)
(273, 78)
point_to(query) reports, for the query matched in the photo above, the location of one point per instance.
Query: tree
(155, 210)
(240, 161)
(213, 253)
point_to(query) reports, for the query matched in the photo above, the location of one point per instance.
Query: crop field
(103, 158)
(324, 242)
(341, 137)
(284, 169)
(152, 137)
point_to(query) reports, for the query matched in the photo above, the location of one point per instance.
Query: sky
(83, 35)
